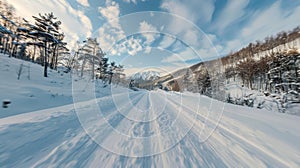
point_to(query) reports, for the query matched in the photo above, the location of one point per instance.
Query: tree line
(39, 42)
(271, 68)
(43, 42)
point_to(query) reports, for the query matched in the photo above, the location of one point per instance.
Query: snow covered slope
(32, 91)
(118, 127)
(150, 129)
(146, 75)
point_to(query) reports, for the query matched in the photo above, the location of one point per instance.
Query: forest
(43, 42)
(270, 67)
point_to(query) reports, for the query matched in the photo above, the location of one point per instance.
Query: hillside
(270, 69)
(118, 127)
(32, 91)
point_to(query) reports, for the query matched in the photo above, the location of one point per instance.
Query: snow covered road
(150, 129)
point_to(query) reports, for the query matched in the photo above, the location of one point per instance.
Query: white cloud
(75, 24)
(231, 46)
(233, 11)
(148, 31)
(147, 50)
(111, 32)
(193, 10)
(130, 1)
(178, 8)
(182, 56)
(163, 69)
(191, 37)
(133, 1)
(112, 37)
(133, 46)
(212, 37)
(167, 41)
(269, 22)
(111, 11)
(178, 26)
(84, 3)
(183, 53)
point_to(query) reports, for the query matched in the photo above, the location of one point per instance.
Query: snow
(295, 44)
(260, 100)
(4, 30)
(31, 94)
(117, 127)
(146, 75)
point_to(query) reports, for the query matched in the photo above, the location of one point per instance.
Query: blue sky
(175, 34)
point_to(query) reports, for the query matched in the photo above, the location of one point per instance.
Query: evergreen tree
(46, 30)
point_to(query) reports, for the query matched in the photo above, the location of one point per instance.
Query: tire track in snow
(180, 153)
(190, 145)
(43, 115)
(83, 143)
(123, 144)
(193, 155)
(156, 127)
(241, 138)
(80, 142)
(61, 153)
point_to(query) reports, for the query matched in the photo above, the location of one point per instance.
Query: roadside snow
(32, 91)
(118, 127)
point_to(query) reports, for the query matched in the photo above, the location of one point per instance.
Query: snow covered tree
(7, 26)
(119, 74)
(46, 30)
(103, 68)
(262, 69)
(91, 54)
(247, 69)
(111, 71)
(284, 74)
(188, 82)
(204, 83)
(230, 72)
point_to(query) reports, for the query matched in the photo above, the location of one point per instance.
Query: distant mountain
(146, 76)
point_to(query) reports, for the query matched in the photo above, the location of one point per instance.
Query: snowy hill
(149, 129)
(269, 77)
(146, 76)
(32, 91)
(118, 127)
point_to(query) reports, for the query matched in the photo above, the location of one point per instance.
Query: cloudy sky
(167, 34)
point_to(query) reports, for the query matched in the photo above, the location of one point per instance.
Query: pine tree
(103, 68)
(111, 71)
(46, 30)
(204, 83)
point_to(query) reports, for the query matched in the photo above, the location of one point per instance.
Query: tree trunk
(250, 84)
(93, 68)
(82, 67)
(53, 57)
(34, 51)
(56, 59)
(5, 46)
(93, 62)
(110, 78)
(45, 61)
(11, 45)
(13, 50)
(33, 55)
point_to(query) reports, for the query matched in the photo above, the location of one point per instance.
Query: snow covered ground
(117, 127)
(32, 91)
(260, 100)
